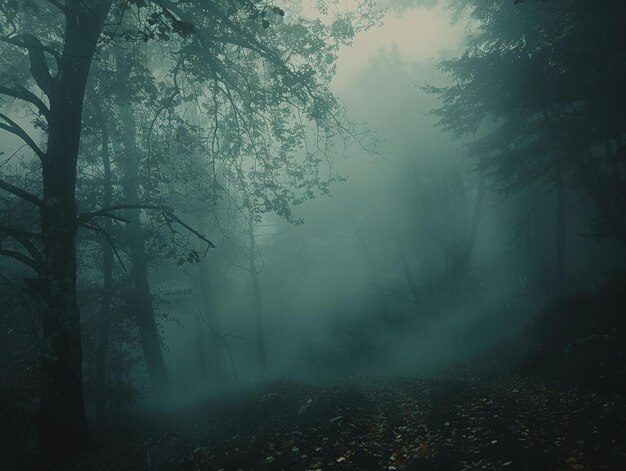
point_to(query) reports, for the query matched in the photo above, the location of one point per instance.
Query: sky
(419, 34)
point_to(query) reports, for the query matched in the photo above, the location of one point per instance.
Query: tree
(541, 85)
(61, 40)
(107, 273)
(142, 299)
(62, 421)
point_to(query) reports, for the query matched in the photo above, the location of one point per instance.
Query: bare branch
(221, 337)
(17, 151)
(190, 229)
(19, 192)
(89, 216)
(16, 129)
(107, 236)
(167, 212)
(38, 63)
(20, 257)
(24, 94)
(236, 337)
(23, 238)
(106, 212)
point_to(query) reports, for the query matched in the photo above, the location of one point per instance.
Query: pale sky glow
(419, 34)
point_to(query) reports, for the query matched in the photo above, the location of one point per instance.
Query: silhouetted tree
(61, 39)
(541, 84)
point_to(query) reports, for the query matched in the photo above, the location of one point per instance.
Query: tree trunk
(142, 298)
(200, 348)
(141, 304)
(560, 233)
(256, 291)
(107, 283)
(207, 310)
(63, 430)
(595, 182)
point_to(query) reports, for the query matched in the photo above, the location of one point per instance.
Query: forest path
(448, 423)
(466, 421)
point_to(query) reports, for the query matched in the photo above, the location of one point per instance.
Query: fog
(354, 220)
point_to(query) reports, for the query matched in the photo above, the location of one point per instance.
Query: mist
(373, 234)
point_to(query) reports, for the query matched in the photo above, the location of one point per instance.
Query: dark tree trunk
(207, 310)
(63, 429)
(560, 232)
(256, 291)
(200, 347)
(605, 190)
(107, 283)
(142, 298)
(221, 348)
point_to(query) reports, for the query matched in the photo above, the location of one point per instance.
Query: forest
(313, 235)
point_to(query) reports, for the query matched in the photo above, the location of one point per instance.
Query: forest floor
(479, 416)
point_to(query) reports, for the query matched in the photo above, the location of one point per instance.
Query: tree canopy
(543, 103)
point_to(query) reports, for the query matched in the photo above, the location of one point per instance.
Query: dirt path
(443, 424)
(455, 423)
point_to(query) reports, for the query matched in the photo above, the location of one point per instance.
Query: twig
(100, 230)
(191, 229)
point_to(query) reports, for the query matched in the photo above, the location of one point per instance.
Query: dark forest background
(210, 199)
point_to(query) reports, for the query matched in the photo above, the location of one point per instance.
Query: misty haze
(312, 235)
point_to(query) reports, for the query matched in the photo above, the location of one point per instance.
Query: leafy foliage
(541, 99)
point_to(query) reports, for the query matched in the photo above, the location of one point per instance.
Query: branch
(16, 129)
(86, 217)
(38, 64)
(22, 93)
(25, 195)
(233, 336)
(221, 337)
(23, 238)
(107, 236)
(250, 42)
(190, 229)
(167, 212)
(115, 217)
(20, 257)
(17, 151)
(106, 212)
